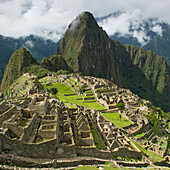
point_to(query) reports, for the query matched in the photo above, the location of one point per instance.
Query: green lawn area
(97, 138)
(69, 100)
(140, 135)
(115, 119)
(151, 155)
(86, 168)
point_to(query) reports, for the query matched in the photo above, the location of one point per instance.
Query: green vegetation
(120, 106)
(152, 156)
(56, 63)
(69, 100)
(53, 90)
(21, 62)
(140, 135)
(97, 138)
(86, 168)
(152, 84)
(115, 119)
(23, 122)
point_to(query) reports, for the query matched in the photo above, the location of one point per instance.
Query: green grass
(69, 100)
(115, 119)
(86, 168)
(140, 135)
(97, 138)
(151, 155)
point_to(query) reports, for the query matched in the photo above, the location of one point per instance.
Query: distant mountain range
(150, 34)
(86, 48)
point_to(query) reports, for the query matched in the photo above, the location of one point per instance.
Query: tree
(53, 90)
(120, 106)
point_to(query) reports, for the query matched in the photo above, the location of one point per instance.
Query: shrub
(53, 90)
(120, 106)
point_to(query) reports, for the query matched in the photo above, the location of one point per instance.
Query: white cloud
(29, 44)
(157, 29)
(50, 18)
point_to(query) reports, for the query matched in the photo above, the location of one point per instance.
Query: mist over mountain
(131, 28)
(88, 49)
(39, 48)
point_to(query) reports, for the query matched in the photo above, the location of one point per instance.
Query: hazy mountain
(88, 49)
(38, 47)
(21, 62)
(150, 34)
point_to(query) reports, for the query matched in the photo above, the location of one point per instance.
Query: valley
(72, 117)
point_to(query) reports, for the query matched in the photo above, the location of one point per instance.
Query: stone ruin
(40, 127)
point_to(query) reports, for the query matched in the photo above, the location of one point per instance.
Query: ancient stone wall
(6, 115)
(125, 152)
(3, 107)
(93, 152)
(49, 149)
(144, 128)
(30, 128)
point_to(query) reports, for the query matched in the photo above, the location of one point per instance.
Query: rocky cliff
(89, 50)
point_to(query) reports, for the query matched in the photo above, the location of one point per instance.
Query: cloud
(29, 44)
(50, 18)
(157, 29)
(132, 24)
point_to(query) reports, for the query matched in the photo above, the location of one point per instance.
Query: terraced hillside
(75, 117)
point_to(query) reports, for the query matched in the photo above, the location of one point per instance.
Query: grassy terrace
(69, 100)
(151, 155)
(97, 138)
(140, 135)
(115, 119)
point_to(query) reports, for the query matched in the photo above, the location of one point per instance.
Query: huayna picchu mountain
(88, 49)
(21, 62)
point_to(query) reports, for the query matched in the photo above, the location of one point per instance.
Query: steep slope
(55, 63)
(88, 49)
(38, 47)
(20, 62)
(156, 70)
(150, 34)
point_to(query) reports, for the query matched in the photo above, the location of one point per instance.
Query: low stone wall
(69, 94)
(30, 128)
(53, 163)
(88, 98)
(6, 115)
(93, 152)
(124, 152)
(49, 149)
(162, 163)
(3, 107)
(144, 128)
(133, 164)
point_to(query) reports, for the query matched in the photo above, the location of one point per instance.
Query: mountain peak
(85, 18)
(18, 61)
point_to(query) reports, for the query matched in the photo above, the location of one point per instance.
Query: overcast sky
(50, 18)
